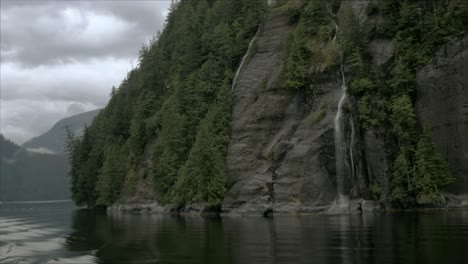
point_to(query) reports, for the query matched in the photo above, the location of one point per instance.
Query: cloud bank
(60, 58)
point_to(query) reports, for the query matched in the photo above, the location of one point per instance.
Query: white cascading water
(245, 57)
(336, 33)
(341, 152)
(340, 140)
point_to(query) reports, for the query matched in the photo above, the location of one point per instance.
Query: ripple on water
(52, 235)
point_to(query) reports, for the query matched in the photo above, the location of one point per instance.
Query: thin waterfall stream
(340, 140)
(252, 41)
(342, 150)
(339, 127)
(336, 33)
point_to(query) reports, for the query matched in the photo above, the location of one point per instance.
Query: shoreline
(36, 202)
(354, 207)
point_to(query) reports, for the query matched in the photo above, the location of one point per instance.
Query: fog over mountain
(60, 58)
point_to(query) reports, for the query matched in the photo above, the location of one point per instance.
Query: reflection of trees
(91, 230)
(371, 238)
(122, 238)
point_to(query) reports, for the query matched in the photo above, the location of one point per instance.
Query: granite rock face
(442, 105)
(281, 153)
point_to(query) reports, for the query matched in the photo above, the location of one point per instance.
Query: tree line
(179, 97)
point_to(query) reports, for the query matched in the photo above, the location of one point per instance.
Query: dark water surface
(61, 233)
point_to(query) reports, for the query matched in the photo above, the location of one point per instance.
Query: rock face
(442, 106)
(378, 164)
(281, 153)
(138, 191)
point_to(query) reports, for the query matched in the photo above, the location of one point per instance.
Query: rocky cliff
(327, 112)
(281, 156)
(442, 105)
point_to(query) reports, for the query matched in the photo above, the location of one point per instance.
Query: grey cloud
(60, 58)
(64, 31)
(86, 82)
(75, 108)
(26, 118)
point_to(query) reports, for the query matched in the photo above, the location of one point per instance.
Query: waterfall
(342, 148)
(340, 140)
(344, 152)
(336, 33)
(245, 57)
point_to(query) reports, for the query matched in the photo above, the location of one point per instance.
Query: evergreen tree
(203, 177)
(403, 119)
(112, 174)
(170, 98)
(297, 61)
(403, 179)
(432, 172)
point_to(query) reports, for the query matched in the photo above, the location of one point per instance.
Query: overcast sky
(60, 58)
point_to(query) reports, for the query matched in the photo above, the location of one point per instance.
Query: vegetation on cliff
(385, 94)
(417, 28)
(178, 97)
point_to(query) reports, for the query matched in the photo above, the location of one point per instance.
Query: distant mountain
(39, 169)
(7, 148)
(53, 140)
(27, 175)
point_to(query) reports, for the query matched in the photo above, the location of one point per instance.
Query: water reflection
(399, 238)
(64, 235)
(34, 232)
(148, 238)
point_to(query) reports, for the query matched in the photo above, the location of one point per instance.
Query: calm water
(61, 233)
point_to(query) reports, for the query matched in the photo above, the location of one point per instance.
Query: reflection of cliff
(91, 230)
(368, 238)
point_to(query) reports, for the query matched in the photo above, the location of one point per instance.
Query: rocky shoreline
(352, 207)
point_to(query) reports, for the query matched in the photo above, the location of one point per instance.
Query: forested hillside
(322, 113)
(54, 139)
(177, 96)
